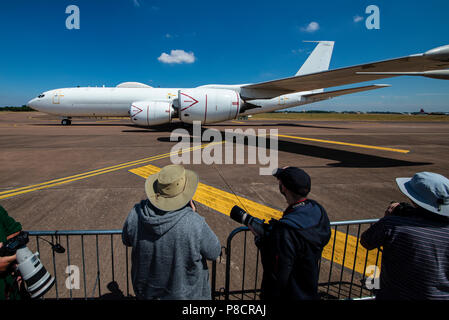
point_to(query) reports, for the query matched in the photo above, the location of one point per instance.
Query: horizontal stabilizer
(332, 94)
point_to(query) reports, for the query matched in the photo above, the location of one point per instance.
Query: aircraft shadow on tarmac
(281, 124)
(173, 126)
(81, 124)
(342, 158)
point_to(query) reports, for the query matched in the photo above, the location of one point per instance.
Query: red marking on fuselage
(237, 104)
(140, 110)
(148, 115)
(196, 101)
(205, 111)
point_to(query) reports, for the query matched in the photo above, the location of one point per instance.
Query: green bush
(17, 109)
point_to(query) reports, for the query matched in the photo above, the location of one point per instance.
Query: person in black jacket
(291, 250)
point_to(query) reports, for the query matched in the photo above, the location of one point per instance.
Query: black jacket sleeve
(286, 250)
(374, 237)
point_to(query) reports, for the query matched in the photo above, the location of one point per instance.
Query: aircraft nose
(32, 103)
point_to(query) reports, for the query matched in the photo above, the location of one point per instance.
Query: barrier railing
(96, 265)
(81, 273)
(343, 266)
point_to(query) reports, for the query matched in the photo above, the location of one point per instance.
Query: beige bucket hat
(171, 188)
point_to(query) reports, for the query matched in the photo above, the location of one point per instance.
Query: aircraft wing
(435, 59)
(332, 94)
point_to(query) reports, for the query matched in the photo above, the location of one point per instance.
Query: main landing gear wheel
(66, 122)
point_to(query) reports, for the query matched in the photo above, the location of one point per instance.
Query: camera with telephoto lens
(38, 280)
(243, 217)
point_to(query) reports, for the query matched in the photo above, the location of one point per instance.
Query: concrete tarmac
(57, 177)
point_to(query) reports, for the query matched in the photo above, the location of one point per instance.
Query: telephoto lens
(38, 280)
(36, 277)
(239, 215)
(243, 217)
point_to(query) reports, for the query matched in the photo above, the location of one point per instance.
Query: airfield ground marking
(89, 174)
(223, 202)
(345, 143)
(220, 201)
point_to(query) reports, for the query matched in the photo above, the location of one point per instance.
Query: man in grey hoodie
(170, 241)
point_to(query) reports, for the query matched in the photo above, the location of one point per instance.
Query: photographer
(415, 241)
(8, 229)
(292, 248)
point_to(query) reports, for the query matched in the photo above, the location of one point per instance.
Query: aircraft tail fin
(318, 60)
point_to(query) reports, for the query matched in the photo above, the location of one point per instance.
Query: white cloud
(136, 3)
(170, 36)
(357, 18)
(298, 51)
(177, 56)
(311, 27)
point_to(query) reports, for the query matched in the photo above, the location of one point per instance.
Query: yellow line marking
(223, 202)
(57, 182)
(238, 122)
(346, 144)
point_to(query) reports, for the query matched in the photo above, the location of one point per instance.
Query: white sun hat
(428, 190)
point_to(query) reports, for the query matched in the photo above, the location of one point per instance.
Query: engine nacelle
(151, 113)
(208, 105)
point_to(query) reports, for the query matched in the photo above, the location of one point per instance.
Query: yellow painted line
(89, 174)
(217, 199)
(223, 202)
(345, 143)
(238, 122)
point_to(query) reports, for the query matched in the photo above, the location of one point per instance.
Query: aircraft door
(56, 98)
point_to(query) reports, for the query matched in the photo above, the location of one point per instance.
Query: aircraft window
(41, 96)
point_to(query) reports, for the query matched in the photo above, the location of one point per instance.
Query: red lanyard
(294, 205)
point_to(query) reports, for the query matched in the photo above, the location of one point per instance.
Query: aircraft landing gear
(66, 122)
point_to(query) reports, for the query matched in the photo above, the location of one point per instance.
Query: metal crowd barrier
(96, 265)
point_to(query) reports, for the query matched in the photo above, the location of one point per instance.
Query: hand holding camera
(390, 208)
(5, 262)
(37, 278)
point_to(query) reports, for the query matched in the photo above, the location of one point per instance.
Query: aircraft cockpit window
(41, 95)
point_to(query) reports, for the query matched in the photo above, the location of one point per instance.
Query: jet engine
(151, 113)
(208, 105)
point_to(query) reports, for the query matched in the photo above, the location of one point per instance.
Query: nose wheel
(66, 122)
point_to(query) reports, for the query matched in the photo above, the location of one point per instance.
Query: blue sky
(226, 42)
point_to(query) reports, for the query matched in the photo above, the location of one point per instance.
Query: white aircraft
(149, 106)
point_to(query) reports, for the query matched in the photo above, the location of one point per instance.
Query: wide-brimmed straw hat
(428, 190)
(171, 188)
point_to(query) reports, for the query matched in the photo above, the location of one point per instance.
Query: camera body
(404, 209)
(11, 246)
(243, 217)
(38, 280)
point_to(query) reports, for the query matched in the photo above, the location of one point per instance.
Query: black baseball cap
(294, 179)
